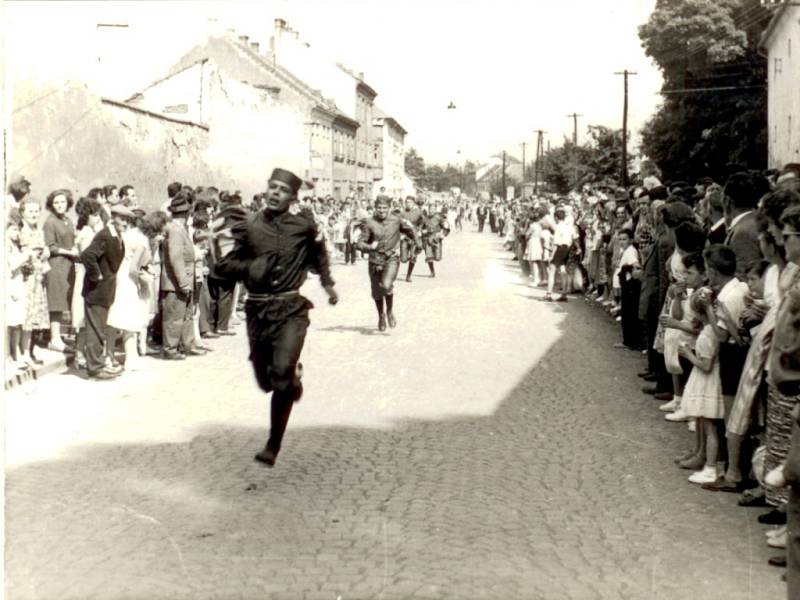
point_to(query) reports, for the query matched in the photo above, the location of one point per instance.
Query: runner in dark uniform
(272, 254)
(413, 214)
(434, 229)
(380, 236)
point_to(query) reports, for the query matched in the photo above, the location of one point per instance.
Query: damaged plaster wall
(74, 140)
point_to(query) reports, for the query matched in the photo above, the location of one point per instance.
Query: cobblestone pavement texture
(492, 446)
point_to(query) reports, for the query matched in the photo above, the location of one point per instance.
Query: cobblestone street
(492, 446)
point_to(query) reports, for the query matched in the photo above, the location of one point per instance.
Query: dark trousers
(177, 326)
(793, 544)
(96, 317)
(481, 223)
(277, 331)
(631, 326)
(220, 304)
(349, 253)
(381, 278)
(203, 307)
(655, 359)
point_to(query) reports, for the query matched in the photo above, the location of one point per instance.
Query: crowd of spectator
(705, 280)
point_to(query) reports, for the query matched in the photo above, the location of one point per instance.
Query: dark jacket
(743, 239)
(101, 260)
(274, 253)
(177, 269)
(655, 277)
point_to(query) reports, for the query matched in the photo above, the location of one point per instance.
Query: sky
(510, 67)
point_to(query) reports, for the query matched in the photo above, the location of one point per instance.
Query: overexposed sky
(510, 66)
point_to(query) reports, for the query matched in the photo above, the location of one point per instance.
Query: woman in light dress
(90, 220)
(130, 310)
(17, 268)
(37, 315)
(533, 248)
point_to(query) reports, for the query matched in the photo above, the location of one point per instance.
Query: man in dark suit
(655, 283)
(177, 283)
(101, 261)
(480, 212)
(740, 198)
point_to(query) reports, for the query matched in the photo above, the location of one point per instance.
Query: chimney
(277, 36)
(244, 38)
(361, 75)
(254, 46)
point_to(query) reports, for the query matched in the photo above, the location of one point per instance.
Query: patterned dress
(779, 407)
(37, 314)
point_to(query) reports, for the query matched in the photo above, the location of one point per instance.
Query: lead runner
(272, 254)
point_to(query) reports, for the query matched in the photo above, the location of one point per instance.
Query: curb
(19, 379)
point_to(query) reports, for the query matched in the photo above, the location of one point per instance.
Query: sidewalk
(53, 361)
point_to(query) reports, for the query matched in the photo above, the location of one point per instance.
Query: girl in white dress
(130, 311)
(702, 397)
(533, 248)
(17, 263)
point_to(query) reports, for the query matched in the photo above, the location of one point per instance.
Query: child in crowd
(37, 314)
(681, 325)
(17, 266)
(721, 270)
(533, 248)
(339, 226)
(702, 397)
(627, 259)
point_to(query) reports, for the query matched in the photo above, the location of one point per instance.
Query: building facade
(260, 116)
(389, 154)
(781, 43)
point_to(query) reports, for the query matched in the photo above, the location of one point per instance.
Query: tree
(714, 108)
(415, 164)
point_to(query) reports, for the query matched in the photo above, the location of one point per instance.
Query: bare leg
(712, 442)
(55, 330)
(734, 443)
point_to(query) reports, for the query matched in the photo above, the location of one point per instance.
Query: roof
(239, 61)
(360, 82)
(378, 113)
(773, 24)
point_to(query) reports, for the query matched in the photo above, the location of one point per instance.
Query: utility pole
(539, 155)
(574, 117)
(523, 144)
(625, 74)
(504, 175)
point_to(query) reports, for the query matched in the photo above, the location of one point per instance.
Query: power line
(59, 137)
(35, 100)
(712, 89)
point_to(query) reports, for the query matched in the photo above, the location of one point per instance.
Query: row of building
(226, 113)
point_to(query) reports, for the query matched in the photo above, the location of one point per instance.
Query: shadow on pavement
(567, 491)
